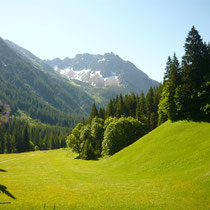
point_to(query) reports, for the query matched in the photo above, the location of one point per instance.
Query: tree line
(186, 91)
(123, 121)
(19, 136)
(184, 95)
(141, 107)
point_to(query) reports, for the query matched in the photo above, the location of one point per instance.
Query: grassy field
(168, 168)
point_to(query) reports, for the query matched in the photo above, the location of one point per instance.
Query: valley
(91, 130)
(159, 171)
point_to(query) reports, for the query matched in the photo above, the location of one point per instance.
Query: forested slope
(26, 87)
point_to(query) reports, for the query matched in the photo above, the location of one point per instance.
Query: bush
(120, 134)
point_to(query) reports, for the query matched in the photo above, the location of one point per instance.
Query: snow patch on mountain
(89, 76)
(101, 60)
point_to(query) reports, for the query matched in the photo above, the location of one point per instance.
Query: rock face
(103, 70)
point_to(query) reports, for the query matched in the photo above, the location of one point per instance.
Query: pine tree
(167, 69)
(17, 138)
(174, 76)
(25, 139)
(101, 113)
(133, 105)
(7, 140)
(93, 113)
(149, 105)
(110, 109)
(141, 109)
(153, 121)
(195, 67)
(121, 108)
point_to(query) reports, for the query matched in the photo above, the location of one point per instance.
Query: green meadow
(169, 168)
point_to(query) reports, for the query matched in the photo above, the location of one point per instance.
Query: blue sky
(144, 32)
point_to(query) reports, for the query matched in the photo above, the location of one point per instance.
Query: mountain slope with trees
(24, 86)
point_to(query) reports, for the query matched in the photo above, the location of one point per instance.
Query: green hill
(179, 147)
(168, 168)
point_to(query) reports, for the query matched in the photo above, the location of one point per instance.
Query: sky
(144, 32)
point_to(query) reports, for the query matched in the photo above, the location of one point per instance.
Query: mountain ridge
(103, 70)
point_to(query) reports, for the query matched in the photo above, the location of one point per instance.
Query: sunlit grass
(167, 169)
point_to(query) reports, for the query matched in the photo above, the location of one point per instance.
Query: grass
(168, 168)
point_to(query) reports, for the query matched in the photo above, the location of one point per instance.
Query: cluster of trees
(186, 91)
(125, 119)
(19, 136)
(104, 137)
(143, 108)
(185, 94)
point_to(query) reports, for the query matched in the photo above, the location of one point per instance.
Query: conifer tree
(101, 113)
(149, 105)
(174, 76)
(121, 108)
(193, 72)
(17, 138)
(93, 113)
(110, 109)
(7, 140)
(133, 105)
(25, 139)
(141, 109)
(167, 69)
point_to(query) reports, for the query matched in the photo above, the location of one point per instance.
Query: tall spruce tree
(121, 108)
(101, 113)
(194, 69)
(141, 109)
(25, 139)
(93, 113)
(7, 140)
(110, 109)
(167, 69)
(174, 76)
(149, 106)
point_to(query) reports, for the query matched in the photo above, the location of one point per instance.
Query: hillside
(100, 77)
(26, 84)
(172, 148)
(166, 169)
(28, 56)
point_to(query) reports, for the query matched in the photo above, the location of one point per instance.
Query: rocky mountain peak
(103, 70)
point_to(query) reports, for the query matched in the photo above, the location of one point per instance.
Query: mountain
(107, 70)
(43, 90)
(30, 85)
(28, 56)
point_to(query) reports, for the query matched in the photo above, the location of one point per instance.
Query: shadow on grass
(78, 157)
(3, 189)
